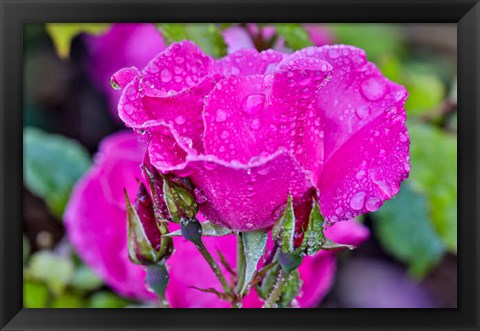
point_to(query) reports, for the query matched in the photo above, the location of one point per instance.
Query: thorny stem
(277, 290)
(214, 266)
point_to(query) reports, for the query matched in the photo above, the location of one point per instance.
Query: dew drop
(360, 174)
(255, 123)
(180, 119)
(253, 103)
(166, 75)
(221, 115)
(333, 53)
(114, 84)
(357, 200)
(373, 203)
(403, 138)
(373, 88)
(225, 134)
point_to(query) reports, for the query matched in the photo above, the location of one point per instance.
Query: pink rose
(96, 226)
(251, 128)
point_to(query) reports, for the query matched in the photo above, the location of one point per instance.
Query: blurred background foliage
(410, 259)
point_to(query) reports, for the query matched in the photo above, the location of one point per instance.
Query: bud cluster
(171, 199)
(298, 230)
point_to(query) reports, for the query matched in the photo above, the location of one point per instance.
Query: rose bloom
(96, 224)
(251, 128)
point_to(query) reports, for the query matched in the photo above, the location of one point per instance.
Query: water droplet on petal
(373, 203)
(403, 138)
(166, 75)
(373, 88)
(114, 84)
(360, 174)
(221, 115)
(253, 103)
(225, 134)
(357, 200)
(180, 119)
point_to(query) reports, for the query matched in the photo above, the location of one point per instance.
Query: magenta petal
(96, 218)
(274, 110)
(366, 141)
(124, 76)
(177, 69)
(248, 62)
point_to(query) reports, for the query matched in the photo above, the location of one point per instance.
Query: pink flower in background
(251, 128)
(122, 45)
(96, 225)
(237, 37)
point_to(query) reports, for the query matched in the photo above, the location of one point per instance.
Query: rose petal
(273, 110)
(366, 141)
(177, 69)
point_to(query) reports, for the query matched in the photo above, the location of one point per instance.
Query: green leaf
(254, 244)
(35, 295)
(426, 92)
(378, 40)
(404, 229)
(208, 229)
(206, 35)
(105, 299)
(85, 279)
(68, 300)
(62, 34)
(51, 166)
(294, 34)
(54, 270)
(434, 173)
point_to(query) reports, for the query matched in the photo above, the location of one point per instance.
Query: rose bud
(299, 230)
(180, 198)
(145, 243)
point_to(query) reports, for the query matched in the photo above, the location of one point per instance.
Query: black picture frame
(15, 13)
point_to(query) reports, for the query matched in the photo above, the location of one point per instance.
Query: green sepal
(314, 236)
(254, 244)
(140, 250)
(180, 200)
(154, 182)
(284, 229)
(330, 245)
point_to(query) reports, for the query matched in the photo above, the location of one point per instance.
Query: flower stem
(277, 290)
(214, 266)
(240, 263)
